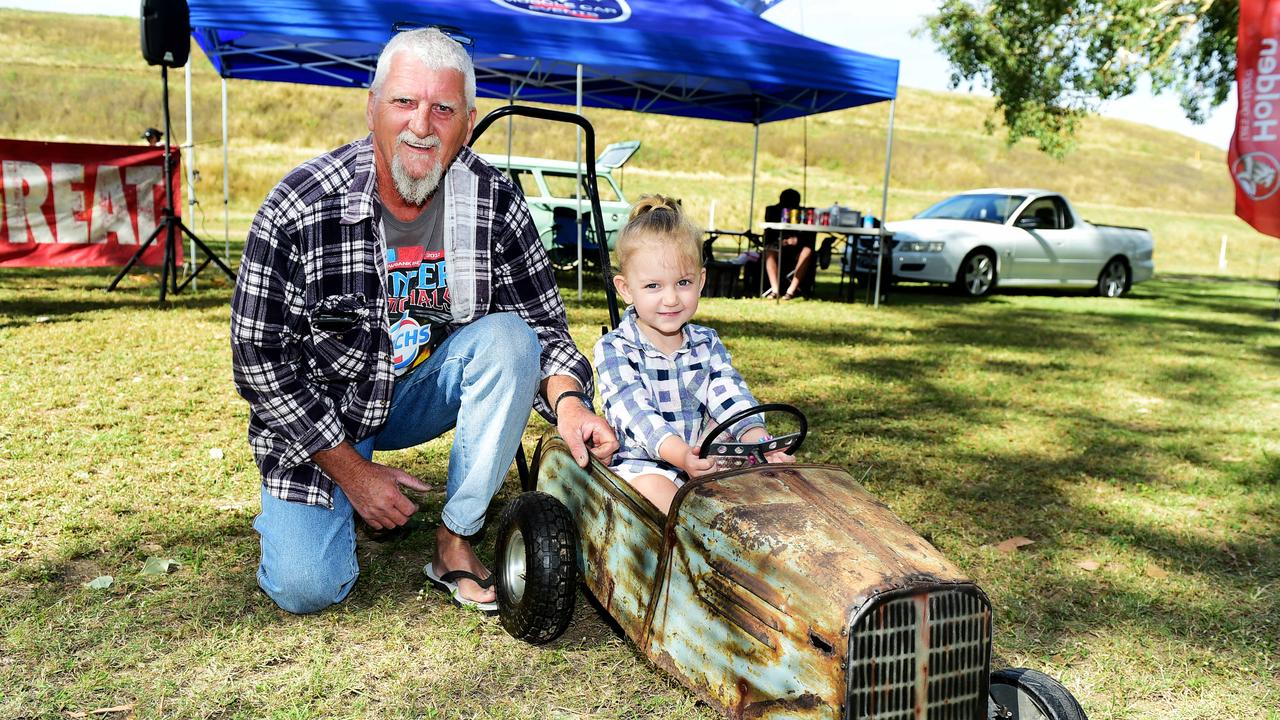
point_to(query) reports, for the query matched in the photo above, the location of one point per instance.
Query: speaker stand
(171, 226)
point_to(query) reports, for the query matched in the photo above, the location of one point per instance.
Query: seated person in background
(799, 244)
(660, 376)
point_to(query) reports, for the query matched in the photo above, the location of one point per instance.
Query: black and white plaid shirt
(310, 348)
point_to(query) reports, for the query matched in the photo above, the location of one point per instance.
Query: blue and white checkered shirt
(649, 396)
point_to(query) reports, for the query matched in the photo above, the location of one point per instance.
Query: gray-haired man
(391, 290)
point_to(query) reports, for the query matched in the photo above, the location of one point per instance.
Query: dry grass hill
(82, 78)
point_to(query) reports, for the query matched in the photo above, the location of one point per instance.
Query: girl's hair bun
(655, 203)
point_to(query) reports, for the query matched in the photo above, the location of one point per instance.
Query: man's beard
(415, 191)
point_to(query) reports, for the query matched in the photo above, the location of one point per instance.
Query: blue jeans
(481, 379)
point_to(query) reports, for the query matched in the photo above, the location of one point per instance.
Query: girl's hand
(696, 466)
(778, 456)
(759, 434)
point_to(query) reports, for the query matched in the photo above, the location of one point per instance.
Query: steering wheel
(733, 455)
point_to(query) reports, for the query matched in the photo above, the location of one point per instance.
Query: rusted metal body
(748, 592)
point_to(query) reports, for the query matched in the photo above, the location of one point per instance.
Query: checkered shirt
(649, 396)
(316, 247)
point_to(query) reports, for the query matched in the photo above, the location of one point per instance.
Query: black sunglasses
(450, 31)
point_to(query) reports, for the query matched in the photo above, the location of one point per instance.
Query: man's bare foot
(453, 552)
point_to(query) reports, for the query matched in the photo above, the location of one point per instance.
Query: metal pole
(577, 215)
(511, 100)
(751, 205)
(226, 180)
(884, 203)
(191, 163)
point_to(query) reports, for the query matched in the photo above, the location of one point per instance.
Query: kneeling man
(391, 290)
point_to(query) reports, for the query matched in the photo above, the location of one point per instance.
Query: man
(390, 290)
(776, 241)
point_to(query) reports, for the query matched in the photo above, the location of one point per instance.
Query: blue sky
(880, 28)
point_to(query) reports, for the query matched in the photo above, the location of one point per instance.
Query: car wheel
(1022, 694)
(1114, 279)
(977, 274)
(537, 567)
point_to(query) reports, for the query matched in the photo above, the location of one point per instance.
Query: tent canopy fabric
(708, 59)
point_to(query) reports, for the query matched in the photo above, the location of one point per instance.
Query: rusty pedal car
(770, 591)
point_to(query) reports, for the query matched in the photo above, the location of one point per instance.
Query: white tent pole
(191, 163)
(511, 100)
(226, 180)
(884, 203)
(577, 216)
(751, 206)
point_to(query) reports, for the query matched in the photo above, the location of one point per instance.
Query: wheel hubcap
(1017, 703)
(1113, 282)
(513, 564)
(977, 276)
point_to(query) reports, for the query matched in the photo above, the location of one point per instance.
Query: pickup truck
(1018, 237)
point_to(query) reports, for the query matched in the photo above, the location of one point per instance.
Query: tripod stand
(171, 225)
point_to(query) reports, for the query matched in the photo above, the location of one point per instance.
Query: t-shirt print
(418, 297)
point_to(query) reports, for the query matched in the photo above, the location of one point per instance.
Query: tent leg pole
(226, 181)
(511, 128)
(884, 204)
(751, 205)
(191, 169)
(577, 216)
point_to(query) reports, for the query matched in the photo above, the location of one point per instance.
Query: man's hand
(585, 431)
(372, 489)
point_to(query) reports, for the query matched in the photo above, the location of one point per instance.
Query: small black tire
(977, 275)
(536, 558)
(1114, 279)
(1024, 694)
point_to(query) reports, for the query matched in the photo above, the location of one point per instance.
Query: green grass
(1141, 434)
(1138, 433)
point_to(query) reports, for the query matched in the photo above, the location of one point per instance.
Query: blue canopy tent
(710, 59)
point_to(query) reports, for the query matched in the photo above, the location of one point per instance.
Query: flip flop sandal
(448, 583)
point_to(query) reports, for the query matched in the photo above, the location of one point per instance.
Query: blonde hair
(657, 219)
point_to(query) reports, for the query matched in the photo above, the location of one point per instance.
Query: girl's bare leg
(658, 489)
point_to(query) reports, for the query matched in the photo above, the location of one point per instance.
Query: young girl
(660, 376)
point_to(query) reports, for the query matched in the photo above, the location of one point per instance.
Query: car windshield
(983, 208)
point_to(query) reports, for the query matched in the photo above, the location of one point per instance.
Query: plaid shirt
(649, 396)
(316, 248)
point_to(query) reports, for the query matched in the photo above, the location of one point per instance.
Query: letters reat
(73, 204)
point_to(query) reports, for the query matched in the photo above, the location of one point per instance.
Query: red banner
(1256, 142)
(66, 204)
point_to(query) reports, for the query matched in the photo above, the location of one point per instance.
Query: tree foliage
(1049, 62)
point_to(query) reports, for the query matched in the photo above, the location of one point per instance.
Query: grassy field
(1135, 441)
(1139, 435)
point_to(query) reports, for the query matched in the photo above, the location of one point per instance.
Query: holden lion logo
(1257, 174)
(589, 10)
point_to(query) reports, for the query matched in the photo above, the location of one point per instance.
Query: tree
(1049, 62)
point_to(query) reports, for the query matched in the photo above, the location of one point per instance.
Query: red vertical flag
(1255, 146)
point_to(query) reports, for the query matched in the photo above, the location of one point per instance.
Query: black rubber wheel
(1113, 281)
(537, 564)
(1023, 694)
(977, 274)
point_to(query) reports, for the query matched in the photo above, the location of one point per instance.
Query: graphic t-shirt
(417, 285)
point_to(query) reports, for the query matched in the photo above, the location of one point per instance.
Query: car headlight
(921, 246)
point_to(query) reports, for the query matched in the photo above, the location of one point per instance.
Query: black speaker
(166, 32)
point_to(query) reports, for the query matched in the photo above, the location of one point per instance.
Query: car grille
(928, 650)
